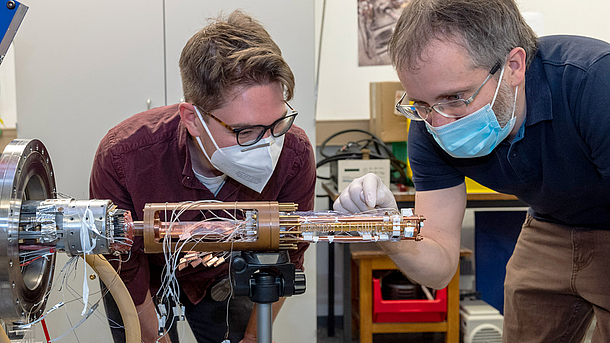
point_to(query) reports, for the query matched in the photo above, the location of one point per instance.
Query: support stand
(264, 278)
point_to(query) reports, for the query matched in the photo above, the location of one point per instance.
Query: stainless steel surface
(75, 226)
(26, 174)
(34, 225)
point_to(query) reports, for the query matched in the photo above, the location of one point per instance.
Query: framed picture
(376, 21)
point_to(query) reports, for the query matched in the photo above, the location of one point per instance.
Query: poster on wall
(376, 21)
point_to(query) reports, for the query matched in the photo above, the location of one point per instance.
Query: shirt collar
(538, 94)
(188, 176)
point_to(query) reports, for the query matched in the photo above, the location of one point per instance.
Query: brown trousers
(556, 280)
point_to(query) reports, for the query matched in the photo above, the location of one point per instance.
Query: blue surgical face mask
(475, 135)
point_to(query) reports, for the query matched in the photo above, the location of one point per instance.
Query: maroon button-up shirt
(145, 159)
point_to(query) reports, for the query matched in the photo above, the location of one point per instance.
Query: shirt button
(514, 154)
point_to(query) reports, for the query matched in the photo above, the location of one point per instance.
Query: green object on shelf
(399, 149)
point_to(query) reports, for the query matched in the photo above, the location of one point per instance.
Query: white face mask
(252, 166)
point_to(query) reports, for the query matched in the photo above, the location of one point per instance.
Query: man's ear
(516, 64)
(189, 117)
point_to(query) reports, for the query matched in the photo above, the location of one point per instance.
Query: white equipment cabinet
(81, 68)
(480, 322)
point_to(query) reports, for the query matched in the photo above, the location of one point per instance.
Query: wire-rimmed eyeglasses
(451, 109)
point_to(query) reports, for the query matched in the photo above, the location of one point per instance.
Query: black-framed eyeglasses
(451, 109)
(250, 135)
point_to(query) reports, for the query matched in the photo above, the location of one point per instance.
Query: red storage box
(398, 311)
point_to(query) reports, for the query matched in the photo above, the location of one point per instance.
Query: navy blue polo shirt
(559, 162)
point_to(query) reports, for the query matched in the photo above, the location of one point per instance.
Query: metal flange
(26, 174)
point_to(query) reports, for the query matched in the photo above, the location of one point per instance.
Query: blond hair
(230, 53)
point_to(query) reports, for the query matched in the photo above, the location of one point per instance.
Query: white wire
(170, 289)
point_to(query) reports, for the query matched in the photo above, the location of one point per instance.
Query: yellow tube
(121, 296)
(3, 336)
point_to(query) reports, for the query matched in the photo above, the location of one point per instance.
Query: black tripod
(264, 278)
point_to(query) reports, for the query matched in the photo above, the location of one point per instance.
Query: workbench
(403, 200)
(363, 263)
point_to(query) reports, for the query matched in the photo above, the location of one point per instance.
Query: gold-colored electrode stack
(275, 226)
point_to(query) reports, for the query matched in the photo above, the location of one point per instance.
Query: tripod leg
(264, 323)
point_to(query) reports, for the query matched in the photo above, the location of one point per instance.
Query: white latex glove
(365, 193)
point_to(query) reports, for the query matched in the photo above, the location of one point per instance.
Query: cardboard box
(385, 122)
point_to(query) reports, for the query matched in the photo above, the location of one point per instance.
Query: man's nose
(437, 120)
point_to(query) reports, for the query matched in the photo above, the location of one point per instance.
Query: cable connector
(161, 317)
(179, 312)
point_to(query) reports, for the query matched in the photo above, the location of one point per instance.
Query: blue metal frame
(11, 16)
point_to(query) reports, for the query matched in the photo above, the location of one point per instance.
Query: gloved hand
(365, 193)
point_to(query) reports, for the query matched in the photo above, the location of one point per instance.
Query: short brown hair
(228, 53)
(487, 29)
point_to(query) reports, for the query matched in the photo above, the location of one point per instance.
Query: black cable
(323, 144)
(382, 151)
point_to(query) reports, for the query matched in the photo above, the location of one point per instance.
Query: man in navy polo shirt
(523, 116)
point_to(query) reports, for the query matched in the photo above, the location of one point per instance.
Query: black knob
(239, 264)
(299, 282)
(265, 288)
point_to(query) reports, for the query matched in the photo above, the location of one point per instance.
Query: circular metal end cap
(26, 174)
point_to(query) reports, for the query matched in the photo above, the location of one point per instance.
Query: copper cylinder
(268, 226)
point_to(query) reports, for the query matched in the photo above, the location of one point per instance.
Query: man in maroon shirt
(231, 140)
